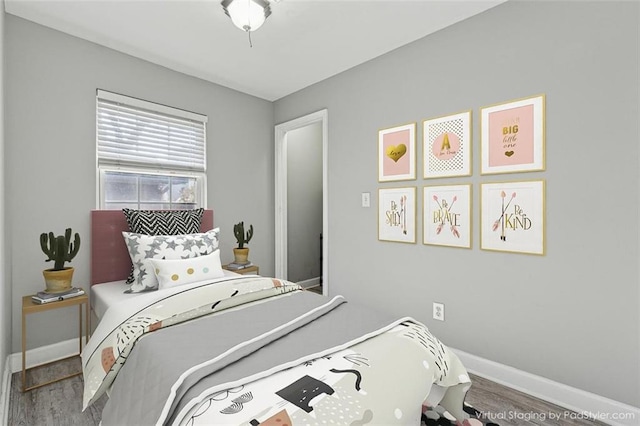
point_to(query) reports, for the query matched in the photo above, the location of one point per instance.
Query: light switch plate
(366, 199)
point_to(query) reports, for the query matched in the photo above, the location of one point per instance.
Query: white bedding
(105, 295)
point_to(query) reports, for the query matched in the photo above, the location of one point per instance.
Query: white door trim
(281, 130)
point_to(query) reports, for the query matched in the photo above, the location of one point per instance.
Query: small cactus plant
(238, 231)
(59, 248)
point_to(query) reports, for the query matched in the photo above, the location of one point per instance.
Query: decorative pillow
(171, 273)
(143, 247)
(162, 222)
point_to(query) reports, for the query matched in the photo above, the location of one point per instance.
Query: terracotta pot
(58, 281)
(241, 255)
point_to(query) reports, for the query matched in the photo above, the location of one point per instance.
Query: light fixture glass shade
(248, 15)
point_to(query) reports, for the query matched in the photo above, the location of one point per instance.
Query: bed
(251, 350)
(110, 259)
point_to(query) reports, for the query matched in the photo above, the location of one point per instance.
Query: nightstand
(253, 269)
(29, 307)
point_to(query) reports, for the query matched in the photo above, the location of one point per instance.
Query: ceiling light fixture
(248, 15)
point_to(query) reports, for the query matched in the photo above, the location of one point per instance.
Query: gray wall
(5, 287)
(50, 154)
(304, 202)
(571, 316)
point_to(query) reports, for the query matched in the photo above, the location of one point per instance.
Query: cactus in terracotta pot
(59, 249)
(241, 253)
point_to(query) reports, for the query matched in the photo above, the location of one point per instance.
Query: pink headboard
(110, 259)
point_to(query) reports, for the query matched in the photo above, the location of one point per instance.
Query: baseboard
(582, 402)
(45, 354)
(5, 392)
(312, 282)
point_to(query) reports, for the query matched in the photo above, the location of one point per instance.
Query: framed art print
(447, 146)
(397, 214)
(446, 219)
(512, 136)
(397, 153)
(512, 216)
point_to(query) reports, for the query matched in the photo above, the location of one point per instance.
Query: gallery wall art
(447, 146)
(512, 216)
(513, 136)
(397, 214)
(512, 213)
(447, 215)
(397, 153)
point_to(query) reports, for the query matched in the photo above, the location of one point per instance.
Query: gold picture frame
(397, 214)
(447, 215)
(447, 145)
(397, 153)
(512, 216)
(512, 136)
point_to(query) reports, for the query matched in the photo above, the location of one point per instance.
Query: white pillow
(171, 273)
(144, 247)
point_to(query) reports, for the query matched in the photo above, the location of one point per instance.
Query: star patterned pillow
(143, 247)
(162, 222)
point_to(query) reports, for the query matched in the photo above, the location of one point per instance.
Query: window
(150, 156)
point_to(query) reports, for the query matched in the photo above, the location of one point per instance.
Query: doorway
(301, 243)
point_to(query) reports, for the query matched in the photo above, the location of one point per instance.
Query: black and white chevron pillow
(162, 222)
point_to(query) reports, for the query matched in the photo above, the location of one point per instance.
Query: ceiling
(301, 43)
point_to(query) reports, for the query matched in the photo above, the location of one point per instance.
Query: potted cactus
(60, 249)
(241, 252)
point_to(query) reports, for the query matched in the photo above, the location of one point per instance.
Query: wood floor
(506, 407)
(57, 404)
(60, 404)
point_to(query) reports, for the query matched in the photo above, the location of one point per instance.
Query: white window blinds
(133, 132)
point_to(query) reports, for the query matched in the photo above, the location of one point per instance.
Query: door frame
(281, 131)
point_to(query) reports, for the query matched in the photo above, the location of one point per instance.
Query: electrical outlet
(366, 199)
(438, 311)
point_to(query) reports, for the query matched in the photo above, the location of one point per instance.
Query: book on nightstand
(43, 297)
(237, 266)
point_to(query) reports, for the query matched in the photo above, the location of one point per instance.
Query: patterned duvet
(254, 350)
